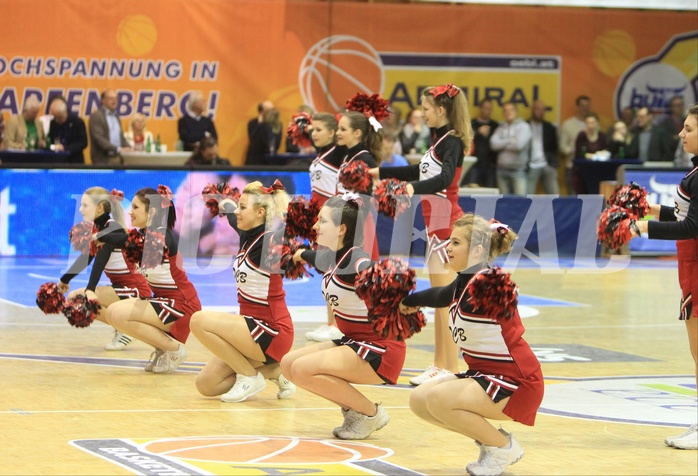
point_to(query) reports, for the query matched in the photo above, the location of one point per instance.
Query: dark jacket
(549, 142)
(72, 134)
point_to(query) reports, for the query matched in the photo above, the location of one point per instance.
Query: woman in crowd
(248, 346)
(104, 209)
(136, 135)
(162, 320)
(504, 380)
(680, 223)
(415, 136)
(361, 356)
(436, 179)
(591, 140)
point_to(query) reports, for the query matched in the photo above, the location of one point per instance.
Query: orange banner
(293, 52)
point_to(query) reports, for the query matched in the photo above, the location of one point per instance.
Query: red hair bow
(449, 89)
(166, 194)
(117, 195)
(277, 185)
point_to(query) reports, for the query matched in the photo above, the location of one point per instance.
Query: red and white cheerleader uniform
(340, 269)
(436, 174)
(498, 357)
(680, 223)
(109, 259)
(324, 173)
(260, 290)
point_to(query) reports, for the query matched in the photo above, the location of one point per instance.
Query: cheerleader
(98, 206)
(162, 320)
(504, 379)
(248, 346)
(361, 356)
(436, 176)
(680, 223)
(363, 140)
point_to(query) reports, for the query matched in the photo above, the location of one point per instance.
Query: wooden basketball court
(615, 357)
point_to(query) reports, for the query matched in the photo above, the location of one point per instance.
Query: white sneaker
(244, 388)
(688, 440)
(361, 426)
(494, 460)
(349, 416)
(170, 360)
(483, 452)
(431, 372)
(286, 387)
(119, 341)
(153, 361)
(324, 333)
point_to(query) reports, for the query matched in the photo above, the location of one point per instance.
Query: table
(589, 173)
(155, 158)
(32, 157)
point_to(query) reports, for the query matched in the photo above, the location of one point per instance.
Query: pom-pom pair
(214, 193)
(302, 215)
(299, 130)
(632, 197)
(80, 236)
(354, 176)
(493, 291)
(392, 197)
(49, 299)
(81, 311)
(373, 105)
(148, 250)
(282, 255)
(614, 226)
(383, 286)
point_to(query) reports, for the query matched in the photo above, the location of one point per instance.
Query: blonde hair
(275, 204)
(111, 205)
(478, 231)
(457, 113)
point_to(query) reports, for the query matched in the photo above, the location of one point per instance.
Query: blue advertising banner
(660, 184)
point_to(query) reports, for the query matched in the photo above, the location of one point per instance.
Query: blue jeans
(511, 182)
(549, 176)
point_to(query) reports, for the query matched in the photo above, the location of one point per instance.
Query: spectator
(543, 159)
(627, 117)
(67, 131)
(649, 141)
(25, 131)
(260, 136)
(511, 140)
(292, 148)
(620, 144)
(415, 136)
(390, 158)
(107, 140)
(136, 135)
(193, 126)
(591, 140)
(273, 118)
(392, 125)
(568, 135)
(672, 124)
(206, 153)
(482, 172)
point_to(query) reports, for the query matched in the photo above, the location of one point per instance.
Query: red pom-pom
(213, 194)
(80, 236)
(373, 105)
(133, 248)
(281, 255)
(493, 291)
(49, 299)
(383, 286)
(299, 130)
(354, 176)
(614, 227)
(392, 197)
(632, 197)
(154, 249)
(81, 311)
(302, 215)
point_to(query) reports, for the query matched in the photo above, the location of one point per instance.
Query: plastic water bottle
(179, 145)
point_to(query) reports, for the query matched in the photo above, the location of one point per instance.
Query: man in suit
(25, 131)
(543, 160)
(107, 140)
(649, 140)
(194, 125)
(67, 132)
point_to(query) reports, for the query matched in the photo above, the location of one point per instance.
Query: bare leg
(137, 318)
(106, 296)
(445, 351)
(692, 329)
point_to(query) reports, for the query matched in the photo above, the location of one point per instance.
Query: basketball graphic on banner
(613, 52)
(337, 67)
(136, 35)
